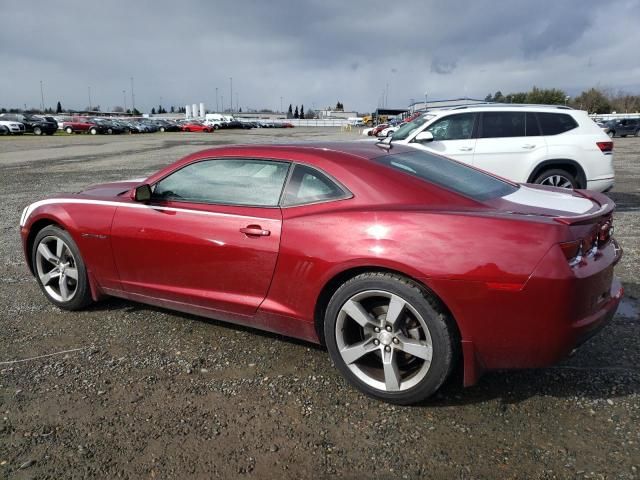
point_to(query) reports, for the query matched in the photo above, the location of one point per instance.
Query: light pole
(217, 107)
(124, 99)
(566, 99)
(133, 97)
(425, 101)
(281, 105)
(231, 91)
(222, 103)
(42, 95)
(89, 89)
(237, 103)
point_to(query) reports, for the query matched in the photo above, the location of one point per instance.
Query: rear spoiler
(607, 206)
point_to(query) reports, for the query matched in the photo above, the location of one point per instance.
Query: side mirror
(424, 137)
(142, 193)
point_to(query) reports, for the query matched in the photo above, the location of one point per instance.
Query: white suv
(549, 145)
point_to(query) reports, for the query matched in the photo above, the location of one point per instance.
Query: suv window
(229, 182)
(453, 127)
(532, 129)
(448, 174)
(308, 185)
(503, 124)
(555, 123)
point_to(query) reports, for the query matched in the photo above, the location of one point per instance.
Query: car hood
(113, 189)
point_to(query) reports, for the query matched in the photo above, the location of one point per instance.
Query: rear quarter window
(555, 123)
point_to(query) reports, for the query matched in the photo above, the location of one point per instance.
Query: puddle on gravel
(628, 308)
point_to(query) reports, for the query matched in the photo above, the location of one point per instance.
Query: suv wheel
(557, 178)
(37, 131)
(611, 133)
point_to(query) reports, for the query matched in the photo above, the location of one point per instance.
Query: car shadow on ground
(592, 374)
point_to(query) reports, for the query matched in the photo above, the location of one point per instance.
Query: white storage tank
(194, 110)
(187, 111)
(201, 110)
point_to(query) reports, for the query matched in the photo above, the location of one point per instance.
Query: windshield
(408, 128)
(448, 174)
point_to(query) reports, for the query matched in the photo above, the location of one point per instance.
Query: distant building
(337, 114)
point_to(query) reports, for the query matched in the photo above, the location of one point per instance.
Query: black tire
(623, 136)
(611, 133)
(440, 328)
(37, 131)
(82, 294)
(69, 130)
(162, 129)
(637, 134)
(93, 131)
(110, 131)
(552, 178)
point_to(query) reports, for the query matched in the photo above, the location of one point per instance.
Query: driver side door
(209, 237)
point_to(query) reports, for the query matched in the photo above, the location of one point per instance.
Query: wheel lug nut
(377, 330)
(395, 340)
(388, 328)
(376, 342)
(387, 348)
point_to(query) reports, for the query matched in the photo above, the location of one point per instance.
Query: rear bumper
(555, 311)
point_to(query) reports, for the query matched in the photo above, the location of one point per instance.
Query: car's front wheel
(557, 178)
(389, 338)
(93, 131)
(59, 269)
(37, 131)
(611, 134)
(69, 130)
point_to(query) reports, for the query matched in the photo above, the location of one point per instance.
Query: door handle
(466, 149)
(528, 146)
(255, 231)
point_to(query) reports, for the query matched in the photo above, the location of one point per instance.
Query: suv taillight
(605, 146)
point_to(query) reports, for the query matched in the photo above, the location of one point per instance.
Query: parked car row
(19, 123)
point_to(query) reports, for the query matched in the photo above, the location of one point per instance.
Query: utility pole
(231, 96)
(425, 101)
(133, 97)
(281, 105)
(42, 96)
(89, 89)
(386, 100)
(237, 103)
(217, 108)
(124, 97)
(222, 103)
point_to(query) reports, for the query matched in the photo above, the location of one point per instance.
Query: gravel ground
(130, 391)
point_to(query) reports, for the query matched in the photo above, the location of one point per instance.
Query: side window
(503, 124)
(555, 123)
(308, 185)
(453, 127)
(531, 125)
(229, 182)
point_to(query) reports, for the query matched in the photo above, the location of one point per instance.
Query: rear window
(448, 174)
(555, 123)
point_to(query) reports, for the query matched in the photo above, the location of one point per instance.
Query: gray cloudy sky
(311, 52)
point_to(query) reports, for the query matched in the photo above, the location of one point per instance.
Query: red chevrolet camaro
(400, 261)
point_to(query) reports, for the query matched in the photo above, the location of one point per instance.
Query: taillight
(573, 252)
(577, 251)
(605, 146)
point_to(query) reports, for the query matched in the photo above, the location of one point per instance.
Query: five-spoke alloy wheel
(59, 268)
(388, 337)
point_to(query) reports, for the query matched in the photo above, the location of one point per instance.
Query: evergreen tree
(153, 111)
(59, 108)
(290, 112)
(173, 110)
(296, 114)
(302, 111)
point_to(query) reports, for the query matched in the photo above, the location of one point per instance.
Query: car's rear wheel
(69, 130)
(37, 131)
(59, 269)
(389, 338)
(557, 178)
(162, 129)
(611, 134)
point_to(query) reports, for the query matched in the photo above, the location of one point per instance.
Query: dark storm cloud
(311, 52)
